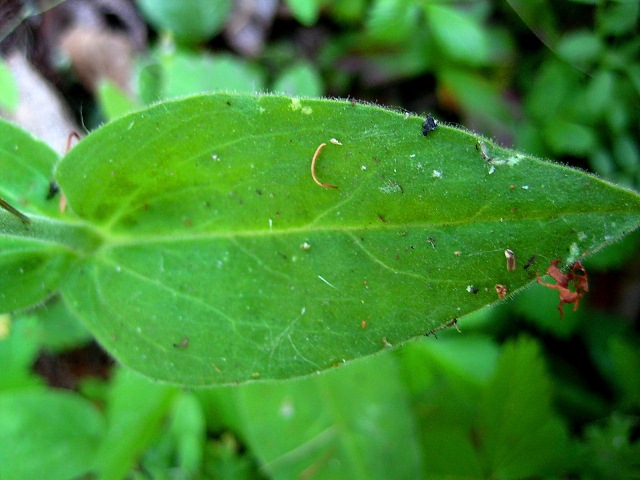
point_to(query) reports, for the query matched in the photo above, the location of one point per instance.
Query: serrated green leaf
(46, 434)
(518, 433)
(220, 260)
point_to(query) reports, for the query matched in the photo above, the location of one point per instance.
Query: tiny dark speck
(429, 125)
(53, 190)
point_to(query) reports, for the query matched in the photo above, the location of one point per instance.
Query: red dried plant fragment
(577, 277)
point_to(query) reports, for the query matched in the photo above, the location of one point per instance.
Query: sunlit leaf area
(319, 239)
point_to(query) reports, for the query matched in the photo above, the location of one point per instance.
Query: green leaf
(519, 435)
(19, 348)
(324, 427)
(305, 11)
(581, 48)
(46, 434)
(301, 79)
(191, 21)
(185, 73)
(33, 256)
(459, 35)
(220, 260)
(9, 95)
(618, 18)
(136, 408)
(113, 101)
(392, 21)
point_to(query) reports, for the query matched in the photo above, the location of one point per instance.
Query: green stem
(78, 237)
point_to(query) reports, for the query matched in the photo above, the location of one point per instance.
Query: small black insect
(530, 262)
(53, 190)
(429, 125)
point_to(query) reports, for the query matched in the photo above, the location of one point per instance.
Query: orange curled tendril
(313, 168)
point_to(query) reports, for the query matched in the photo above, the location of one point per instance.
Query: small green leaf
(19, 348)
(136, 409)
(566, 137)
(191, 21)
(305, 11)
(459, 35)
(392, 21)
(220, 260)
(113, 101)
(9, 95)
(618, 18)
(46, 434)
(185, 73)
(580, 48)
(300, 80)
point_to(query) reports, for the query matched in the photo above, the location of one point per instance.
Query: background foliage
(518, 394)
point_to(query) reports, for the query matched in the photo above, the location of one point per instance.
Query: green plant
(516, 386)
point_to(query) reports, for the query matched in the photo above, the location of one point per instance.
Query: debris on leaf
(501, 290)
(576, 277)
(511, 260)
(429, 125)
(451, 323)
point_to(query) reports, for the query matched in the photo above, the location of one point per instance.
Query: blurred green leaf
(625, 153)
(184, 73)
(581, 48)
(135, 409)
(625, 355)
(301, 79)
(191, 21)
(569, 138)
(459, 35)
(600, 92)
(324, 427)
(47, 434)
(114, 102)
(305, 11)
(539, 17)
(617, 17)
(392, 21)
(19, 347)
(518, 432)
(188, 427)
(609, 453)
(477, 97)
(9, 95)
(59, 329)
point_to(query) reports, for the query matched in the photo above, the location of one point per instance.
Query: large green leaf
(222, 261)
(47, 434)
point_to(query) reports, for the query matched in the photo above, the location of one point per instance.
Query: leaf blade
(211, 220)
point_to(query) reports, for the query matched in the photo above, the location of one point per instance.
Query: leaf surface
(222, 261)
(46, 434)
